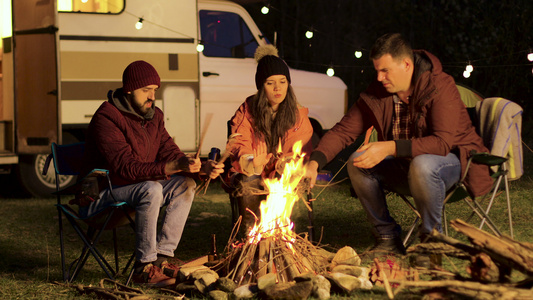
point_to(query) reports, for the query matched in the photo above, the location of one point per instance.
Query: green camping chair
(68, 160)
(499, 123)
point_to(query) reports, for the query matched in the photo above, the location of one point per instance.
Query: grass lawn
(29, 245)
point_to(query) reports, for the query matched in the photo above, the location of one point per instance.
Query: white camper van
(61, 58)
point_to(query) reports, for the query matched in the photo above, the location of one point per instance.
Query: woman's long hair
(272, 129)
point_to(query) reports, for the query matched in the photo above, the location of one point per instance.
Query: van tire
(29, 173)
(34, 183)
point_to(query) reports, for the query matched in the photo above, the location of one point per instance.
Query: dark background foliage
(495, 36)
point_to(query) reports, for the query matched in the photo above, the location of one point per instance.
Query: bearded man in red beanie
(127, 136)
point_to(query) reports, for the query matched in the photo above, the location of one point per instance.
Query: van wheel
(29, 173)
(30, 176)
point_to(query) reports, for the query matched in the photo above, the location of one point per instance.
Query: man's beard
(143, 110)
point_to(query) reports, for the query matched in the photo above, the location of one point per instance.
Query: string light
(84, 1)
(265, 9)
(330, 72)
(139, 24)
(200, 47)
(309, 34)
(469, 67)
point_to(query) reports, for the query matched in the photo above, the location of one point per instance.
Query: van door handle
(207, 74)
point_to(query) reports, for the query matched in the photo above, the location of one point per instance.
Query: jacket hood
(425, 61)
(122, 101)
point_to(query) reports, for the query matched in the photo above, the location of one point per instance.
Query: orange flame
(276, 210)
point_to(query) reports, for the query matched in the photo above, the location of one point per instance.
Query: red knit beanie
(139, 74)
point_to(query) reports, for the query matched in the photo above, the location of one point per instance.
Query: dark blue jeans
(426, 178)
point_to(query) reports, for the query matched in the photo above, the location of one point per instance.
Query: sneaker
(387, 246)
(170, 269)
(153, 276)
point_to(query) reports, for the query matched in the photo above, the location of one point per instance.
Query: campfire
(272, 247)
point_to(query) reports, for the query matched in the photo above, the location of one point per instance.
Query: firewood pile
(294, 268)
(271, 270)
(490, 260)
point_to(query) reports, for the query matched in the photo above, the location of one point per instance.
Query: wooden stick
(495, 291)
(208, 118)
(385, 279)
(264, 246)
(222, 159)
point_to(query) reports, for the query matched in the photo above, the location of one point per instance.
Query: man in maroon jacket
(424, 138)
(127, 136)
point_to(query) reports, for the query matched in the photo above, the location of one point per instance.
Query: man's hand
(183, 164)
(311, 171)
(213, 169)
(374, 153)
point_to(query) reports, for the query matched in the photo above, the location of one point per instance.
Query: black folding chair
(67, 161)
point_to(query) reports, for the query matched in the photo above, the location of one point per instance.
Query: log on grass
(476, 290)
(503, 250)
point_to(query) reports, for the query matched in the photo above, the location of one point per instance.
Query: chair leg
(410, 232)
(62, 244)
(415, 222)
(130, 275)
(509, 206)
(132, 269)
(89, 240)
(481, 213)
(115, 246)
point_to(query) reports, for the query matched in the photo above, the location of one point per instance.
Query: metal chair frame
(117, 214)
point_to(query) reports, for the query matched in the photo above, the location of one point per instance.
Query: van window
(91, 6)
(225, 34)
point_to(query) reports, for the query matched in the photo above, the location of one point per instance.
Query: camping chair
(68, 160)
(499, 123)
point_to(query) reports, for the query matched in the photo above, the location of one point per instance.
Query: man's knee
(353, 170)
(190, 183)
(422, 167)
(149, 192)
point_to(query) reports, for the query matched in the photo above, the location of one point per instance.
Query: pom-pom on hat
(139, 74)
(268, 64)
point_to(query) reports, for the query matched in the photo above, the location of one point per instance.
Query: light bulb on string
(469, 68)
(466, 74)
(530, 56)
(309, 34)
(265, 9)
(139, 24)
(358, 54)
(200, 46)
(330, 72)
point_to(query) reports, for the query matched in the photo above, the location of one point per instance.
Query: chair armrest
(488, 159)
